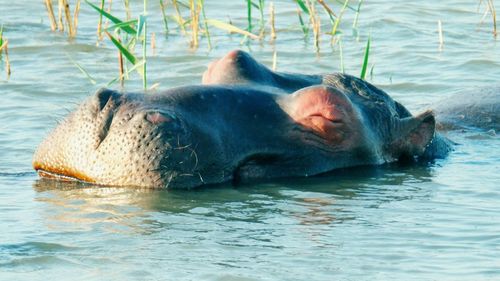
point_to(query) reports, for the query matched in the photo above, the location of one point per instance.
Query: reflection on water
(316, 200)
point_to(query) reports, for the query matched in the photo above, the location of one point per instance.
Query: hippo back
(479, 108)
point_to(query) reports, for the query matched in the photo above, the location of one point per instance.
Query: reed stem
(120, 65)
(99, 24)
(202, 4)
(271, 21)
(67, 14)
(180, 20)
(144, 49)
(275, 58)
(165, 21)
(5, 49)
(60, 7)
(75, 16)
(249, 15)
(494, 16)
(52, 18)
(440, 32)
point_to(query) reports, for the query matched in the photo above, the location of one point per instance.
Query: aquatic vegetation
(271, 21)
(490, 9)
(493, 12)
(191, 21)
(64, 15)
(130, 32)
(188, 18)
(365, 59)
(191, 13)
(4, 49)
(440, 32)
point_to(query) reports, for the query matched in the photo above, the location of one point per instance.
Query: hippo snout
(117, 139)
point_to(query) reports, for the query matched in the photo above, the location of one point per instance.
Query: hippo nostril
(102, 97)
(157, 117)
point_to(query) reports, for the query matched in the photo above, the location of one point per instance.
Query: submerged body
(246, 122)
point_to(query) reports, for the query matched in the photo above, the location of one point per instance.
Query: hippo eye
(156, 117)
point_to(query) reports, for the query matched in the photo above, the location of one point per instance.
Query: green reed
(164, 16)
(1, 41)
(365, 59)
(190, 18)
(249, 15)
(125, 36)
(4, 49)
(205, 24)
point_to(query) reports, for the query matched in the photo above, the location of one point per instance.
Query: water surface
(418, 222)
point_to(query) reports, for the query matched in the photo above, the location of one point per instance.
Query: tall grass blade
(261, 10)
(144, 49)
(141, 25)
(275, 60)
(356, 17)
(82, 70)
(180, 21)
(303, 26)
(136, 67)
(202, 3)
(365, 59)
(337, 21)
(341, 54)
(130, 57)
(3, 44)
(126, 3)
(99, 24)
(143, 18)
(348, 6)
(249, 15)
(231, 28)
(303, 6)
(271, 21)
(165, 21)
(75, 15)
(120, 25)
(128, 29)
(493, 12)
(7, 61)
(329, 11)
(1, 40)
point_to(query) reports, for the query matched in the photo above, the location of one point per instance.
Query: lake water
(421, 222)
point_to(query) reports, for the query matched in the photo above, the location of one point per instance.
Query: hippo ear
(413, 135)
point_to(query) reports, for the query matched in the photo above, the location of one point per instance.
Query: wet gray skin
(479, 108)
(275, 125)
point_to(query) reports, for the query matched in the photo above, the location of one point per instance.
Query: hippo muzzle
(115, 139)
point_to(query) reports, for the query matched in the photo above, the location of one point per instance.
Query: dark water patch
(18, 174)
(33, 248)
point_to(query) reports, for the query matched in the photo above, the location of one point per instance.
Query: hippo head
(196, 135)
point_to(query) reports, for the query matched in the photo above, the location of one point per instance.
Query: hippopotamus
(244, 122)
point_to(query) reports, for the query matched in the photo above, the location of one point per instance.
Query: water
(434, 222)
